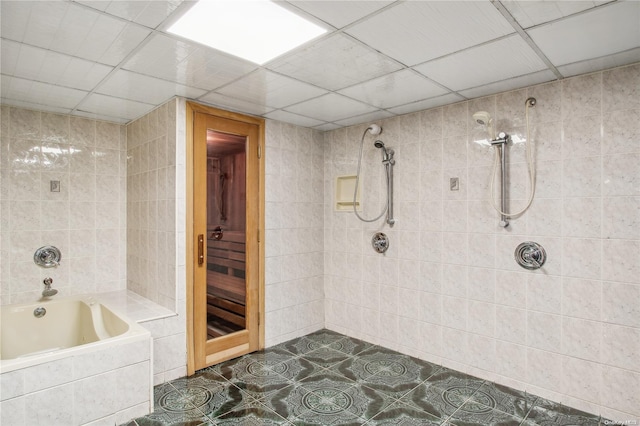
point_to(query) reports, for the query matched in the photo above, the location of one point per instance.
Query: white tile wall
(85, 220)
(569, 331)
(156, 231)
(294, 236)
(151, 205)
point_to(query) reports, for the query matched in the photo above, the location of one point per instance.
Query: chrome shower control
(39, 312)
(380, 242)
(530, 255)
(47, 257)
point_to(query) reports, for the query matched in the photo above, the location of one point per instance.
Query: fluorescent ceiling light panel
(256, 30)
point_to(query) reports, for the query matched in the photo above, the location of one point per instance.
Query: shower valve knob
(530, 255)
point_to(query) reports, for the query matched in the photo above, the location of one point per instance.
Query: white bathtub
(77, 348)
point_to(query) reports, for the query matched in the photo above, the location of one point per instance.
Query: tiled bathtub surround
(448, 290)
(86, 219)
(107, 386)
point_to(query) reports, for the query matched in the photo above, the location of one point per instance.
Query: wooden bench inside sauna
(226, 288)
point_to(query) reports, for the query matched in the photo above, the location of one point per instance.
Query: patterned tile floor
(326, 378)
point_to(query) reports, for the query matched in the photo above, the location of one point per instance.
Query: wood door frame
(191, 110)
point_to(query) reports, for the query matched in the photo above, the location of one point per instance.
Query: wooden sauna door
(226, 198)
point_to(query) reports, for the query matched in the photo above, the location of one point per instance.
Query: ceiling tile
(40, 93)
(394, 89)
(331, 107)
(494, 61)
(34, 63)
(334, 63)
(149, 13)
(602, 63)
(447, 99)
(129, 85)
(267, 88)
(296, 119)
(226, 102)
(602, 31)
(187, 63)
(529, 13)
(339, 13)
(511, 84)
(417, 31)
(71, 29)
(365, 118)
(114, 107)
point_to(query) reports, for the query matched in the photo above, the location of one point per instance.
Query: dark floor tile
(301, 346)
(325, 336)
(326, 378)
(278, 401)
(324, 401)
(437, 401)
(297, 369)
(327, 375)
(505, 399)
(350, 345)
(175, 407)
(473, 413)
(386, 371)
(325, 357)
(211, 394)
(548, 413)
(404, 415)
(249, 368)
(251, 414)
(446, 378)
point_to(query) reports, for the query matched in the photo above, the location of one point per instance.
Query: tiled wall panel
(85, 219)
(448, 290)
(294, 233)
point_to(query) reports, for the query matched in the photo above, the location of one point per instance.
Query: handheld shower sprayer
(388, 162)
(483, 118)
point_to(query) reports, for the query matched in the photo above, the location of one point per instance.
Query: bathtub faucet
(48, 291)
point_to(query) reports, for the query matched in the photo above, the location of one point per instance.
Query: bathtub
(72, 361)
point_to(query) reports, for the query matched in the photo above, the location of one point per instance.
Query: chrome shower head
(374, 129)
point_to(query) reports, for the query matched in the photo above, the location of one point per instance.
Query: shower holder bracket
(380, 242)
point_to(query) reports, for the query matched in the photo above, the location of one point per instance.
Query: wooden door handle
(200, 249)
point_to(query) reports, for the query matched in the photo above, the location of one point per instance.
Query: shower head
(378, 144)
(374, 129)
(482, 117)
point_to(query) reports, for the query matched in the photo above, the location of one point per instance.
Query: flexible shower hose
(355, 190)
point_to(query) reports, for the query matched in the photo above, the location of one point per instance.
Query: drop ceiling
(114, 60)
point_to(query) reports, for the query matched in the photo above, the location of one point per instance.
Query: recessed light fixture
(255, 30)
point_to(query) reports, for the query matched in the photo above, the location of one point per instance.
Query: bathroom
(448, 290)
